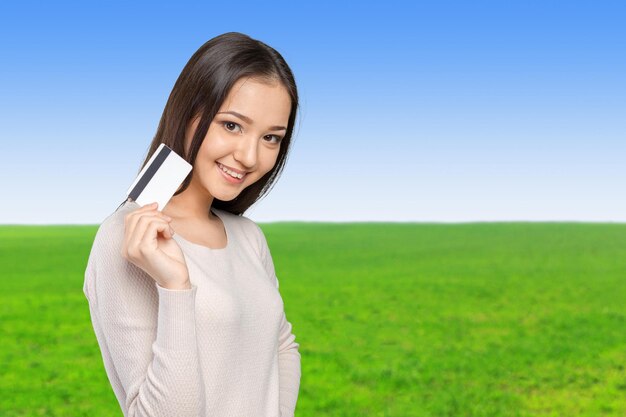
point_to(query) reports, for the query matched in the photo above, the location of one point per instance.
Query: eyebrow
(249, 120)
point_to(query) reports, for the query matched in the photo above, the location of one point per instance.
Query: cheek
(212, 149)
(269, 162)
(275, 159)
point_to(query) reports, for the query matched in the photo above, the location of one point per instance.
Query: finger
(130, 220)
(149, 238)
(137, 228)
(144, 221)
(135, 220)
(168, 232)
(150, 206)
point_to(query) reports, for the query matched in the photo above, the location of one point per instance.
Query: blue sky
(439, 111)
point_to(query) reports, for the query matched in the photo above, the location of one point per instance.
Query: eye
(230, 126)
(276, 138)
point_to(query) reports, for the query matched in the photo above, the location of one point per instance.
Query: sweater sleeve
(146, 333)
(288, 353)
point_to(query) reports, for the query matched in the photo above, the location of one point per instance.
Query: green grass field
(482, 319)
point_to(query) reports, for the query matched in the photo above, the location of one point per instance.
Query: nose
(246, 152)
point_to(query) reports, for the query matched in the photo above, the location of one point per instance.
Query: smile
(231, 175)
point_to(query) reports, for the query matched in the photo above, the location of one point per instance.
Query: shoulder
(107, 270)
(109, 237)
(112, 227)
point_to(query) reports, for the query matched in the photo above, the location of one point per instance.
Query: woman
(184, 301)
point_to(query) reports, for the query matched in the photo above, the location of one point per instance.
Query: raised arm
(146, 334)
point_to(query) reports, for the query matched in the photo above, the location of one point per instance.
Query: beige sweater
(223, 348)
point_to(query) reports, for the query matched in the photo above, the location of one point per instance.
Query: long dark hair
(202, 87)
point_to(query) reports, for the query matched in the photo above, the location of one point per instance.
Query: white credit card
(160, 178)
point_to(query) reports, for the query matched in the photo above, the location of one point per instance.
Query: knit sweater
(222, 348)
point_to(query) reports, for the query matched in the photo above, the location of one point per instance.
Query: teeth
(229, 172)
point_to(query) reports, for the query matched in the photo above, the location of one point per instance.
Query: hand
(148, 244)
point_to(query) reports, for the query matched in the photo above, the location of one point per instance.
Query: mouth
(230, 174)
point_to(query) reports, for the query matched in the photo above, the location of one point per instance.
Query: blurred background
(410, 111)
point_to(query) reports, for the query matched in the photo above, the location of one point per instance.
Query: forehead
(263, 101)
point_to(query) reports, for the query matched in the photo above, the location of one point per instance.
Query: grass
(474, 319)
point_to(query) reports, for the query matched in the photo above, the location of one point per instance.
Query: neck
(191, 204)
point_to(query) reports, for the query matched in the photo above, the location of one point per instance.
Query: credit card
(160, 178)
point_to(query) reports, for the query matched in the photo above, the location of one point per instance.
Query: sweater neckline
(206, 248)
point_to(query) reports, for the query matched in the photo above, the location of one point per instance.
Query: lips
(219, 164)
(229, 177)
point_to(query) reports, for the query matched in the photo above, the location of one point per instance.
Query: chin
(225, 196)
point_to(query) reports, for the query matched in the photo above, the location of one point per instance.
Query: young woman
(184, 301)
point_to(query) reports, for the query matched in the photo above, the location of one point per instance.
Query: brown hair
(202, 87)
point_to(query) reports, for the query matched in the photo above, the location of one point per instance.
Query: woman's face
(244, 137)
